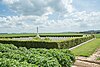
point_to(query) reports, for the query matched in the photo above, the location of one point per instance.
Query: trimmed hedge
(45, 44)
(44, 35)
(74, 42)
(31, 44)
(60, 35)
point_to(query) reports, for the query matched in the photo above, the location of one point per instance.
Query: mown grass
(98, 58)
(97, 35)
(87, 49)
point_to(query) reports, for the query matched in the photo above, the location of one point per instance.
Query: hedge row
(45, 44)
(42, 35)
(74, 42)
(61, 35)
(31, 44)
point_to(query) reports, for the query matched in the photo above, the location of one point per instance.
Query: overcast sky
(49, 15)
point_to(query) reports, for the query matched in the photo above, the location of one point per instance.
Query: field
(97, 35)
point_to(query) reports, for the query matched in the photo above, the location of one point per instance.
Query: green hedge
(74, 42)
(61, 35)
(44, 35)
(31, 44)
(45, 44)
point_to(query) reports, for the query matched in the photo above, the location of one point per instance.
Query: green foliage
(41, 35)
(98, 58)
(7, 47)
(31, 44)
(48, 44)
(4, 62)
(73, 42)
(61, 35)
(47, 39)
(23, 57)
(37, 38)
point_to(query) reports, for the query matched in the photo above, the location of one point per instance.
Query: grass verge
(87, 49)
(97, 35)
(98, 58)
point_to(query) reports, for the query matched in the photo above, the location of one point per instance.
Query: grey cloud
(76, 22)
(35, 7)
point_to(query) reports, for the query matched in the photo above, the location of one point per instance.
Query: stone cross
(37, 33)
(37, 30)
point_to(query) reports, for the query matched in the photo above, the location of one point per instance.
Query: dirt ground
(88, 61)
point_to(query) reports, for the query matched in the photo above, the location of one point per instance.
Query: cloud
(10, 1)
(49, 15)
(76, 21)
(22, 21)
(39, 7)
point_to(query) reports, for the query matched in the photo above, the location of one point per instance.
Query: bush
(4, 62)
(47, 39)
(37, 38)
(23, 57)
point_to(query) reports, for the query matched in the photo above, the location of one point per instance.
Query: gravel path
(79, 63)
(88, 61)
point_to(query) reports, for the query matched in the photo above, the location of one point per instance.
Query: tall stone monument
(37, 35)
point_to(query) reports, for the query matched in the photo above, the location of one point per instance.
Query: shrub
(36, 57)
(4, 62)
(47, 39)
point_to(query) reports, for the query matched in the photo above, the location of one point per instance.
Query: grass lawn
(97, 35)
(98, 58)
(87, 49)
